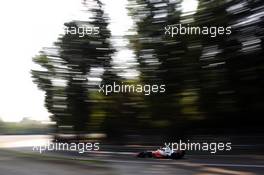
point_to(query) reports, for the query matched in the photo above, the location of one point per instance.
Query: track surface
(18, 163)
(23, 161)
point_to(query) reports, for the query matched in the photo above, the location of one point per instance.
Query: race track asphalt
(16, 162)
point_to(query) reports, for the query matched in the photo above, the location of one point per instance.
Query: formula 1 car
(165, 153)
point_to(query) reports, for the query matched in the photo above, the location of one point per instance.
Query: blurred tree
(165, 60)
(210, 81)
(230, 74)
(76, 56)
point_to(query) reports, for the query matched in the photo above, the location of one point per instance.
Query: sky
(29, 25)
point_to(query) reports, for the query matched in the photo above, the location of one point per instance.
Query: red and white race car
(164, 152)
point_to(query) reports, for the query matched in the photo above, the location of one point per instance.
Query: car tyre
(178, 155)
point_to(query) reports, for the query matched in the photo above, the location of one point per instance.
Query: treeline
(212, 84)
(26, 126)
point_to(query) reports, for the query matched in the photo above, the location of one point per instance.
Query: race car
(165, 153)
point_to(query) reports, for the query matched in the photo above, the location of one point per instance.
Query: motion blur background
(214, 86)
